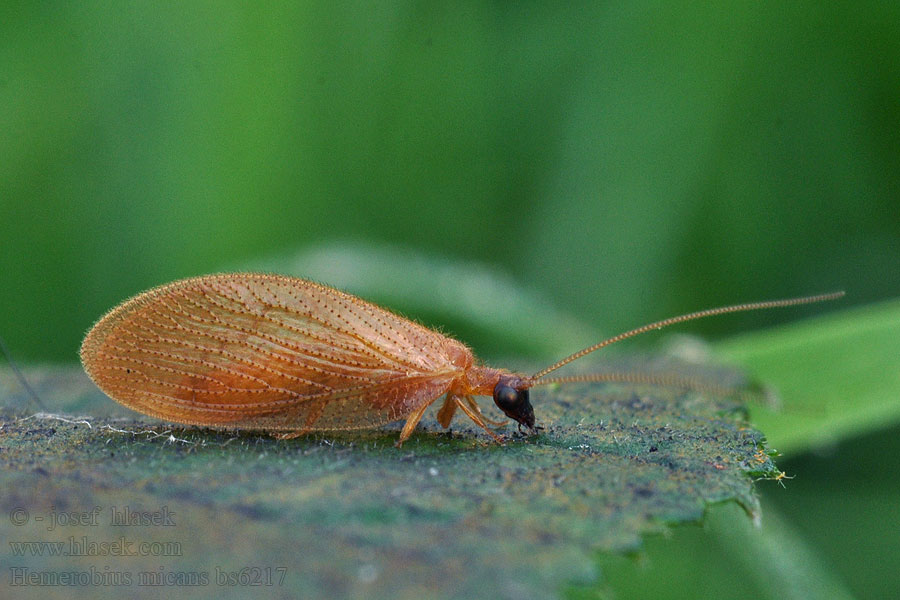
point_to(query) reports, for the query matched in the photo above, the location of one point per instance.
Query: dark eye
(506, 397)
(513, 400)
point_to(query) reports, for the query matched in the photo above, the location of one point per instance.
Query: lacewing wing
(289, 356)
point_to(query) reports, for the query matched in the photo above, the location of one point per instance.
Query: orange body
(277, 353)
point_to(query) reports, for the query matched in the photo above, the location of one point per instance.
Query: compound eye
(506, 397)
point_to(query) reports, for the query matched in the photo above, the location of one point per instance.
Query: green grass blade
(838, 376)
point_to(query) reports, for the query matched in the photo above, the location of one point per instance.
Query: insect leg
(448, 409)
(477, 418)
(411, 423)
(471, 401)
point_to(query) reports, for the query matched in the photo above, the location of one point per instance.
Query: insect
(289, 356)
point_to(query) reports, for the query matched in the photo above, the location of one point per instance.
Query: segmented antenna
(689, 317)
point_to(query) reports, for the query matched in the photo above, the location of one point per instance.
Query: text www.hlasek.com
(82, 546)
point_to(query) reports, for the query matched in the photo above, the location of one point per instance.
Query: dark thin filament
(20, 376)
(688, 317)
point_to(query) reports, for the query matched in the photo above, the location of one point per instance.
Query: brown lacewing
(289, 356)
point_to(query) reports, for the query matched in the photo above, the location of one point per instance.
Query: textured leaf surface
(448, 515)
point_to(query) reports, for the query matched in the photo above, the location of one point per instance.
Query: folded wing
(268, 352)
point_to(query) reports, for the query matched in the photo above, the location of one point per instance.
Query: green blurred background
(618, 162)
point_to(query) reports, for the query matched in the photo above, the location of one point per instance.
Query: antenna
(710, 312)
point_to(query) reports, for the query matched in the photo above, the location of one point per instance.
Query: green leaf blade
(838, 375)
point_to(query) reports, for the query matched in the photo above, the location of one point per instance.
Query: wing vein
(353, 349)
(349, 332)
(246, 344)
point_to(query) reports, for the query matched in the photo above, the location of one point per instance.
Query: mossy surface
(349, 515)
